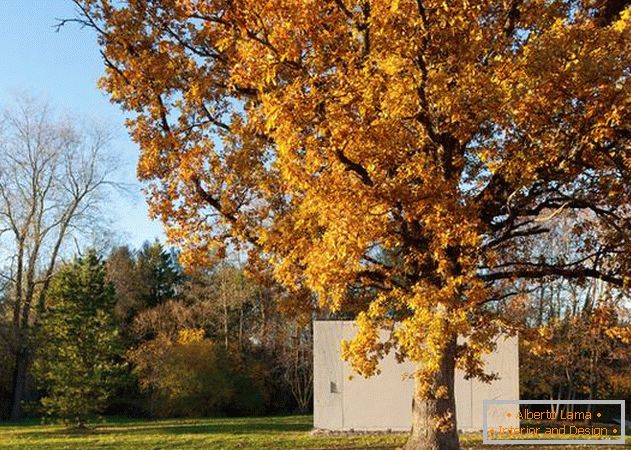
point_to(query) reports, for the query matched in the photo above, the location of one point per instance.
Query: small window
(334, 388)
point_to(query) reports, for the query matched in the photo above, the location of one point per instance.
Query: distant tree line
(131, 333)
(123, 330)
(210, 342)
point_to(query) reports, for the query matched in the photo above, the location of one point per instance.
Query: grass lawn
(291, 432)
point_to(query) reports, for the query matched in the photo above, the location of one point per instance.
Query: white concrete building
(385, 401)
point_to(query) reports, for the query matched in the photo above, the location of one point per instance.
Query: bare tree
(52, 181)
(296, 360)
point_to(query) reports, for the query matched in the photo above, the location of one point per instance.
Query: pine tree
(76, 363)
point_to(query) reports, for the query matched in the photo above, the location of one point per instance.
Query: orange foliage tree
(408, 152)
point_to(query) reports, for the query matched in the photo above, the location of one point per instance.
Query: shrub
(193, 376)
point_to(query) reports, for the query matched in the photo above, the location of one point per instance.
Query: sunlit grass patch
(264, 433)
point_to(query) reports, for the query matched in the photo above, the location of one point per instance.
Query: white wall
(385, 401)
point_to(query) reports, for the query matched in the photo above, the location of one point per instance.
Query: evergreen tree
(77, 360)
(160, 273)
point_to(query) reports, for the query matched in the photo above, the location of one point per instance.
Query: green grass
(290, 432)
(266, 433)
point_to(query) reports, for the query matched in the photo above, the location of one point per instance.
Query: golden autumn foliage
(407, 157)
(584, 355)
(188, 374)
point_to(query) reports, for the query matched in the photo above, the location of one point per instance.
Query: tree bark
(433, 418)
(19, 383)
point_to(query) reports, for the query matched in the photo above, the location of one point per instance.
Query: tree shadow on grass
(210, 426)
(231, 428)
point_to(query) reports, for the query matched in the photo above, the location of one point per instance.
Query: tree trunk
(225, 323)
(19, 383)
(434, 419)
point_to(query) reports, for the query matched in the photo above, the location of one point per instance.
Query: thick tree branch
(609, 11)
(212, 201)
(553, 271)
(354, 167)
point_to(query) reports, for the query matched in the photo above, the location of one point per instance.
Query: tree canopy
(419, 154)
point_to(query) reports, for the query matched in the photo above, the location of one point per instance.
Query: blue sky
(62, 68)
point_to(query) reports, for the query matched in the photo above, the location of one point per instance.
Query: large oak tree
(408, 157)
